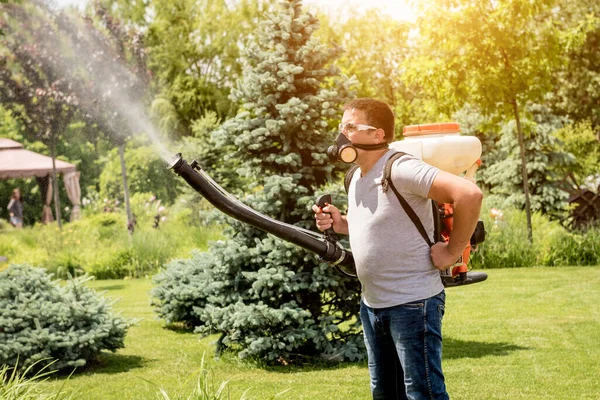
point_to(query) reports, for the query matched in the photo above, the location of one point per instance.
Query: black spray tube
(218, 197)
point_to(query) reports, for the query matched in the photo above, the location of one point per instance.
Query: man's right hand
(329, 216)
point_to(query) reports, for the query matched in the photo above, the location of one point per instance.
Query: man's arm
(466, 198)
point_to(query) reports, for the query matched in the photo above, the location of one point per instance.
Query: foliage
(99, 244)
(179, 290)
(489, 54)
(546, 158)
(506, 246)
(559, 247)
(218, 161)
(579, 140)
(271, 299)
(32, 85)
(146, 173)
(27, 385)
(194, 51)
(577, 92)
(205, 388)
(498, 56)
(73, 105)
(42, 320)
(374, 55)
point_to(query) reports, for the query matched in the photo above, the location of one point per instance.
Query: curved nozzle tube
(228, 204)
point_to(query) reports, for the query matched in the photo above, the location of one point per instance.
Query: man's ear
(380, 135)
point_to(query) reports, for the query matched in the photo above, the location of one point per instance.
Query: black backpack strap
(348, 177)
(437, 222)
(386, 182)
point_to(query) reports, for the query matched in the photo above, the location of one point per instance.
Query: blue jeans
(404, 348)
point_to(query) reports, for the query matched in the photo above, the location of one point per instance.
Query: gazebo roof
(17, 162)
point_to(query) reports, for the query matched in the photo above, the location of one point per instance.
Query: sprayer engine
(459, 272)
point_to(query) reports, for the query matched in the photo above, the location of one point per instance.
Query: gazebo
(17, 162)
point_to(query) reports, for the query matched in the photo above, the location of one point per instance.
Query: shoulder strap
(386, 182)
(348, 176)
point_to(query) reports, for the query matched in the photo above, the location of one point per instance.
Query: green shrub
(115, 267)
(182, 287)
(507, 245)
(570, 248)
(43, 321)
(100, 245)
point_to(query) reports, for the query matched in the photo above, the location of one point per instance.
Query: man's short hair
(378, 114)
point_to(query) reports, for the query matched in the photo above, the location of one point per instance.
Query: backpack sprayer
(442, 146)
(437, 144)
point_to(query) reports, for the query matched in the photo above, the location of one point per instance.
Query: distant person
(15, 209)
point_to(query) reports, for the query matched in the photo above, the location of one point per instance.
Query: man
(403, 298)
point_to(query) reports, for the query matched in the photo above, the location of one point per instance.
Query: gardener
(402, 302)
(15, 209)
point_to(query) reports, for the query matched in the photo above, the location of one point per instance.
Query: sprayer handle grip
(323, 201)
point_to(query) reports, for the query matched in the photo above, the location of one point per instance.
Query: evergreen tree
(268, 298)
(546, 159)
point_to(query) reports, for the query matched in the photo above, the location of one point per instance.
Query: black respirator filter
(342, 150)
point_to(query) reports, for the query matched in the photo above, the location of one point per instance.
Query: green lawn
(524, 333)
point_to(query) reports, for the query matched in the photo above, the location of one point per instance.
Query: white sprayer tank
(440, 145)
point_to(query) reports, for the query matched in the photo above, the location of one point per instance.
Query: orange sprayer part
(431, 129)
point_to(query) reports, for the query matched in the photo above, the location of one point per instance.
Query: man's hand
(441, 256)
(328, 217)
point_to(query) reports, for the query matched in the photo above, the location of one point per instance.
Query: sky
(398, 9)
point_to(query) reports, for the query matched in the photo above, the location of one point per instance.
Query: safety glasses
(349, 127)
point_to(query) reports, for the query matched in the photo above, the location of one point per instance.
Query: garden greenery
(506, 244)
(266, 297)
(43, 321)
(100, 245)
(16, 384)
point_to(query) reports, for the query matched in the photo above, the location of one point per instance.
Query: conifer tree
(268, 298)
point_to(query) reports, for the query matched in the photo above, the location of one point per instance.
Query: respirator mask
(344, 150)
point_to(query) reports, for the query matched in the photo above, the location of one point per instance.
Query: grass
(26, 385)
(531, 333)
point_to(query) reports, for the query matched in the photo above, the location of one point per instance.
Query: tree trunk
(523, 170)
(55, 180)
(125, 188)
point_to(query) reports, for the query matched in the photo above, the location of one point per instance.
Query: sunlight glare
(342, 9)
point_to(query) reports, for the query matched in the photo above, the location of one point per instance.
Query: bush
(42, 321)
(561, 247)
(99, 244)
(507, 245)
(182, 287)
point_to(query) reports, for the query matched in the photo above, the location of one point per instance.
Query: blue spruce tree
(268, 298)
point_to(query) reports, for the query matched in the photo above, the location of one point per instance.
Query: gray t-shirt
(393, 260)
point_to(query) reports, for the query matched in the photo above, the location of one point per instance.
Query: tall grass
(507, 244)
(27, 385)
(101, 246)
(205, 388)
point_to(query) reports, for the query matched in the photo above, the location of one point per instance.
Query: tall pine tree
(268, 298)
